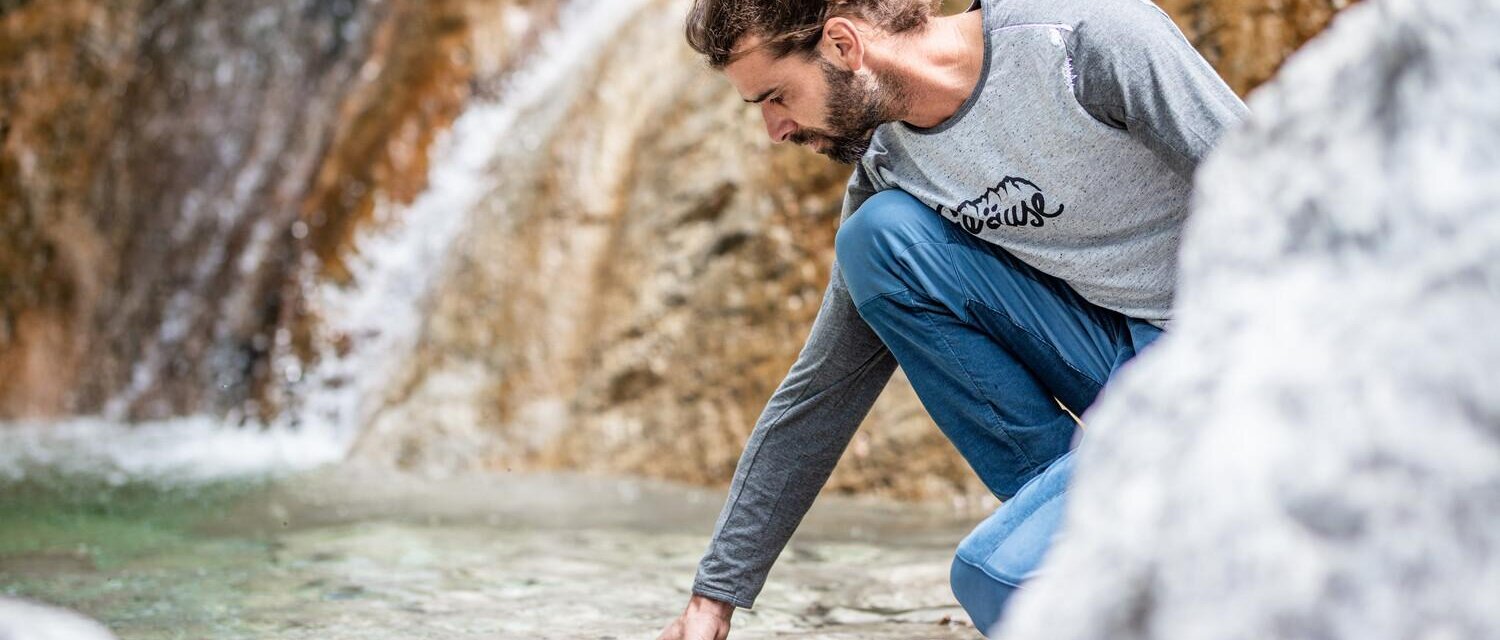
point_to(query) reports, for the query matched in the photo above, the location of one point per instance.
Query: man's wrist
(704, 604)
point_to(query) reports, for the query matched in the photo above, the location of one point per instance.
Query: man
(1009, 237)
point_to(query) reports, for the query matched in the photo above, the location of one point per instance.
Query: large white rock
(1314, 450)
(25, 620)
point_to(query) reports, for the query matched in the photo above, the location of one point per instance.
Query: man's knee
(870, 241)
(1006, 550)
(982, 596)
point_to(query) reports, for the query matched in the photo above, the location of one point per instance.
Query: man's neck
(939, 67)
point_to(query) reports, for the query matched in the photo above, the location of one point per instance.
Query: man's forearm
(798, 439)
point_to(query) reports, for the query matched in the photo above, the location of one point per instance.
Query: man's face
(815, 102)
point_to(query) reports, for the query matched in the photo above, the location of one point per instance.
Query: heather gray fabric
(1075, 153)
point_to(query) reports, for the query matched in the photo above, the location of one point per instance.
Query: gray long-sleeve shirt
(1075, 153)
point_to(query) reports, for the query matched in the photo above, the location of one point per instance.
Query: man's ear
(843, 44)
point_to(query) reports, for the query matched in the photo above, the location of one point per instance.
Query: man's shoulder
(1073, 13)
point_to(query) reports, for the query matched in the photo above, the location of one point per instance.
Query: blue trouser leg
(991, 346)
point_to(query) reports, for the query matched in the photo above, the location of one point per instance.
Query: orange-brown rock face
(55, 64)
(1246, 40)
(167, 170)
(637, 275)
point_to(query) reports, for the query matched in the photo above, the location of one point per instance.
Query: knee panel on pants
(981, 595)
(995, 559)
(870, 242)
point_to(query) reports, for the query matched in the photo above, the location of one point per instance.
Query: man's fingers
(696, 628)
(672, 632)
(706, 627)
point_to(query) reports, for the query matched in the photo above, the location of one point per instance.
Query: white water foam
(181, 449)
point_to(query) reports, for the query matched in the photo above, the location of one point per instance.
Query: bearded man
(1009, 237)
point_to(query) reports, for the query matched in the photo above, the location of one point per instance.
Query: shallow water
(347, 552)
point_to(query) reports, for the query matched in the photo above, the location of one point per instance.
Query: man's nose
(778, 125)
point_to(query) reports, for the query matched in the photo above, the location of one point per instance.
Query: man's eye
(778, 100)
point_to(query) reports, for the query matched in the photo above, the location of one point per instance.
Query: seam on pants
(1020, 272)
(1023, 519)
(954, 236)
(896, 258)
(1044, 341)
(985, 570)
(1024, 270)
(1026, 457)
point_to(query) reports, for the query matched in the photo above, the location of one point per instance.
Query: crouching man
(1009, 238)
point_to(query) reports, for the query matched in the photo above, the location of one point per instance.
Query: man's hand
(704, 619)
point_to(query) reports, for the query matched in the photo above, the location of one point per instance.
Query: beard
(855, 109)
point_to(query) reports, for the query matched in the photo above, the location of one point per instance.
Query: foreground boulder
(24, 620)
(1314, 450)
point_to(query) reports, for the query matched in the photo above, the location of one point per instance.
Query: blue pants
(991, 346)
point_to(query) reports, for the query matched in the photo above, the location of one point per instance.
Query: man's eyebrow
(762, 97)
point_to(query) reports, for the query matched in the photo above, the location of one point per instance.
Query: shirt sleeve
(1134, 70)
(798, 439)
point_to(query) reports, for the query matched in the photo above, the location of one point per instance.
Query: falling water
(380, 312)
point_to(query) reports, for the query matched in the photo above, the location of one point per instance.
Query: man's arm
(798, 439)
(795, 444)
(1136, 71)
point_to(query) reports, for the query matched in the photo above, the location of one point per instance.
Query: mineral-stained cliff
(188, 189)
(1246, 40)
(169, 171)
(1314, 450)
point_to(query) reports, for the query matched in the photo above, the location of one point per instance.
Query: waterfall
(380, 312)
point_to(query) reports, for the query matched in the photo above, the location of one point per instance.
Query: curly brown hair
(714, 27)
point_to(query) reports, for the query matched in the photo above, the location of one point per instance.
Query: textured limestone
(1314, 452)
(1246, 40)
(172, 174)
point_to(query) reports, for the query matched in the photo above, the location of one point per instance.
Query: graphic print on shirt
(1015, 202)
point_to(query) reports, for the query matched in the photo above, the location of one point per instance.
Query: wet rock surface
(1314, 452)
(352, 553)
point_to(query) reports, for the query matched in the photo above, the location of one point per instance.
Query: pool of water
(351, 552)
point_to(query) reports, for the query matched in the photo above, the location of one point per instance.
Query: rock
(25, 620)
(1246, 40)
(1314, 450)
(173, 177)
